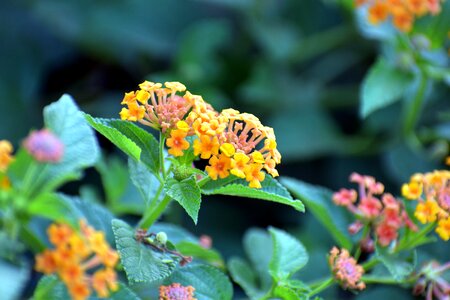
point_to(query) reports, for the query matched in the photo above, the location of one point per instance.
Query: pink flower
(345, 197)
(386, 233)
(345, 269)
(44, 146)
(370, 207)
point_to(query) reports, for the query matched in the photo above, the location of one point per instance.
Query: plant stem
(370, 264)
(324, 285)
(380, 280)
(162, 139)
(366, 230)
(408, 244)
(152, 215)
(203, 181)
(413, 109)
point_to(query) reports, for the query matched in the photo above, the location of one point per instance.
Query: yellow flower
(238, 164)
(218, 166)
(6, 158)
(142, 96)
(134, 112)
(150, 86)
(447, 161)
(177, 142)
(426, 212)
(257, 157)
(227, 149)
(206, 146)
(129, 98)
(412, 190)
(254, 175)
(182, 125)
(175, 86)
(443, 229)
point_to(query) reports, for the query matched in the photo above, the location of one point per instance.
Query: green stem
(412, 110)
(368, 265)
(152, 215)
(269, 293)
(162, 140)
(379, 280)
(203, 181)
(324, 285)
(366, 231)
(417, 237)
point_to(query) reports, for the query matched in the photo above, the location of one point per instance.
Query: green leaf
(210, 256)
(318, 201)
(209, 282)
(258, 247)
(81, 150)
(141, 262)
(176, 234)
(51, 206)
(146, 183)
(131, 139)
(382, 86)
(400, 265)
(242, 274)
(14, 279)
(271, 190)
(289, 255)
(285, 293)
(50, 287)
(187, 193)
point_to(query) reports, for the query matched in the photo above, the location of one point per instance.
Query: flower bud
(161, 237)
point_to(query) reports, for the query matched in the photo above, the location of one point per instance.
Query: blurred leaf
(210, 256)
(318, 200)
(271, 190)
(400, 265)
(258, 247)
(141, 262)
(383, 85)
(186, 193)
(14, 279)
(286, 293)
(209, 282)
(243, 275)
(51, 206)
(50, 287)
(289, 255)
(146, 183)
(175, 233)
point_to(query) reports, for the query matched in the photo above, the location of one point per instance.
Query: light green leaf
(51, 206)
(382, 86)
(81, 150)
(400, 265)
(242, 274)
(318, 201)
(258, 247)
(289, 255)
(285, 293)
(187, 193)
(131, 139)
(209, 282)
(271, 190)
(141, 263)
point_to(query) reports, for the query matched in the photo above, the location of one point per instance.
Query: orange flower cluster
(76, 253)
(233, 142)
(345, 269)
(382, 211)
(432, 191)
(176, 291)
(402, 12)
(6, 157)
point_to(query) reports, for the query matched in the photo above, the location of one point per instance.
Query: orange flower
(6, 158)
(254, 175)
(443, 229)
(378, 12)
(219, 166)
(206, 146)
(59, 234)
(412, 190)
(426, 212)
(238, 164)
(45, 262)
(103, 281)
(79, 290)
(177, 142)
(135, 112)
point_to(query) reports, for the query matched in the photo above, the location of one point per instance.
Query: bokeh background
(296, 64)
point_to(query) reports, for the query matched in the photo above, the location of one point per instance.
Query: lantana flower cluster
(345, 269)
(382, 212)
(176, 291)
(74, 255)
(232, 142)
(6, 157)
(432, 192)
(402, 12)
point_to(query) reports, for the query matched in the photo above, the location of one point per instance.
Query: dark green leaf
(289, 255)
(318, 201)
(141, 262)
(383, 85)
(187, 193)
(400, 265)
(243, 275)
(271, 190)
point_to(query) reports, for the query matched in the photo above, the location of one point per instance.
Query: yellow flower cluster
(76, 253)
(402, 12)
(232, 142)
(6, 157)
(432, 191)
